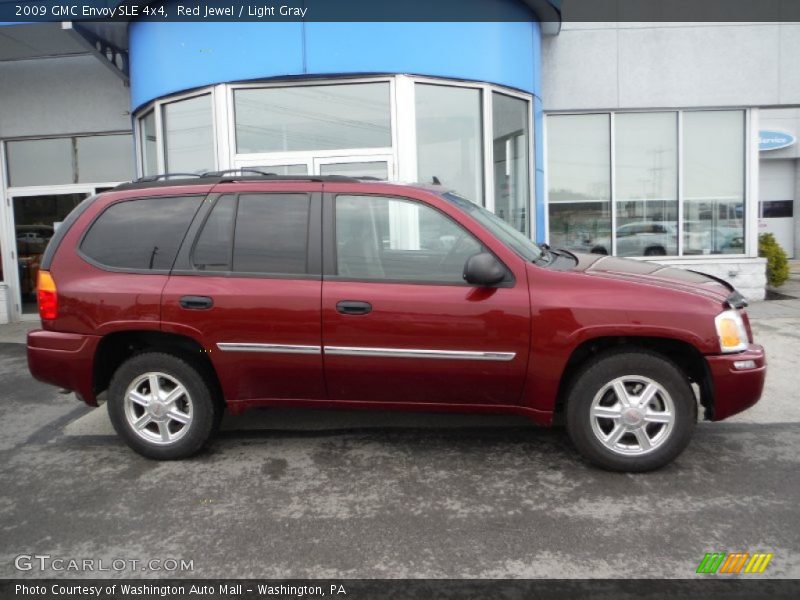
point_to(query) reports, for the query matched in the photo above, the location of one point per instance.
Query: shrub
(777, 263)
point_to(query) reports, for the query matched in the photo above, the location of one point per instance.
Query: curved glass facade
(473, 138)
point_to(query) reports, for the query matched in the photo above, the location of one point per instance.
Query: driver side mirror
(484, 269)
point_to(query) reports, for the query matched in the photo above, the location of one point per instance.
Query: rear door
(247, 283)
(399, 323)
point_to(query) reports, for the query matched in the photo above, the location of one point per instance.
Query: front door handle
(196, 302)
(353, 307)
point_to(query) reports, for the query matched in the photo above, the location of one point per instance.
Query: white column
(405, 122)
(751, 184)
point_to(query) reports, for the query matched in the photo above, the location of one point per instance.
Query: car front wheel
(162, 406)
(631, 411)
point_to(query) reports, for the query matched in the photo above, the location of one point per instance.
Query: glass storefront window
(104, 158)
(510, 143)
(645, 194)
(449, 141)
(646, 190)
(188, 136)
(281, 169)
(318, 117)
(61, 161)
(376, 169)
(345, 127)
(40, 162)
(61, 172)
(147, 135)
(579, 172)
(713, 163)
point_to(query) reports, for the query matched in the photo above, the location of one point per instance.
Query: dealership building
(672, 142)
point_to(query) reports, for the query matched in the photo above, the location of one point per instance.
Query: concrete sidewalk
(14, 333)
(783, 308)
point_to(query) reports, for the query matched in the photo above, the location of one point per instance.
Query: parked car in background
(660, 238)
(176, 300)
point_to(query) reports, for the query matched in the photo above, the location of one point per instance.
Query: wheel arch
(686, 356)
(115, 348)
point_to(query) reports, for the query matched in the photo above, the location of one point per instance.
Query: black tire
(206, 409)
(599, 250)
(600, 372)
(655, 251)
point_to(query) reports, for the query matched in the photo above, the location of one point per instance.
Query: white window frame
(237, 159)
(10, 265)
(355, 158)
(403, 149)
(158, 107)
(7, 224)
(750, 183)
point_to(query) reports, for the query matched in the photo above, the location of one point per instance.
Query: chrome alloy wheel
(158, 408)
(632, 415)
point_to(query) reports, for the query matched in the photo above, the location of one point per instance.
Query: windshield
(512, 238)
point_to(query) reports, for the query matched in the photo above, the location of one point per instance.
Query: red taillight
(48, 298)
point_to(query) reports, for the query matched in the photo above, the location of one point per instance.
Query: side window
(141, 234)
(401, 240)
(212, 251)
(271, 234)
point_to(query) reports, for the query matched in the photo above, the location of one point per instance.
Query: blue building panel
(171, 57)
(501, 53)
(166, 58)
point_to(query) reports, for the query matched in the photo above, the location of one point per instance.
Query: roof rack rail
(229, 176)
(160, 176)
(260, 175)
(241, 170)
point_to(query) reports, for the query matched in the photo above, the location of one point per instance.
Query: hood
(655, 274)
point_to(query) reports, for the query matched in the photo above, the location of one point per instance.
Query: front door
(248, 285)
(399, 323)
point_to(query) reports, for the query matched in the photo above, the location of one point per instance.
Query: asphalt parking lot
(327, 494)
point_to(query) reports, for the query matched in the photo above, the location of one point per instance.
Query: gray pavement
(337, 494)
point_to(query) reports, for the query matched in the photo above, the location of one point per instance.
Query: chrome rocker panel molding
(269, 348)
(414, 353)
(372, 352)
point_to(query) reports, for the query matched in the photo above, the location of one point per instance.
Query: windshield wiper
(565, 252)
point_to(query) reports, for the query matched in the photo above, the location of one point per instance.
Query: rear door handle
(196, 302)
(353, 307)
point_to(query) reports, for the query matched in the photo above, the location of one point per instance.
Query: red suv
(178, 299)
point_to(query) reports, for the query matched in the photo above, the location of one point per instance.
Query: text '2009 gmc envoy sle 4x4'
(181, 298)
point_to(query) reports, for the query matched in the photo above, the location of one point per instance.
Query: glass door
(35, 217)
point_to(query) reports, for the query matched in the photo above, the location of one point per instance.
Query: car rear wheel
(655, 251)
(631, 411)
(162, 406)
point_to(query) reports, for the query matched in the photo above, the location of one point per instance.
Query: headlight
(731, 331)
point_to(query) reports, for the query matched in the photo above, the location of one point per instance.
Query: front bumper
(64, 360)
(736, 389)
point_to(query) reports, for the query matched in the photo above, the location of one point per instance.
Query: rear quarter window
(143, 234)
